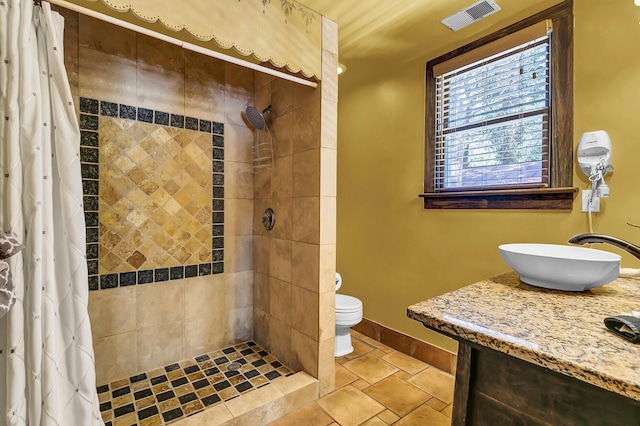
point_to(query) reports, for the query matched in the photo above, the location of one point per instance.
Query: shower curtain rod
(183, 44)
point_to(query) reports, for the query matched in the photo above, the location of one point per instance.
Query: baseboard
(419, 349)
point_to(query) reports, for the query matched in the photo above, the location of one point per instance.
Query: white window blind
(492, 121)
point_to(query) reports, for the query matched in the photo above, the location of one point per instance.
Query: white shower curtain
(47, 374)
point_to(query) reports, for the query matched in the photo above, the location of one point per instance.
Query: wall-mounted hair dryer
(594, 158)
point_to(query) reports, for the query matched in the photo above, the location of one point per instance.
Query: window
(499, 119)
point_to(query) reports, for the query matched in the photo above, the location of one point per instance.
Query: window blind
(492, 121)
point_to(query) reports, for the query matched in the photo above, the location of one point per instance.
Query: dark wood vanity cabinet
(493, 388)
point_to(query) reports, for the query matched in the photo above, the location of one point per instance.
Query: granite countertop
(561, 331)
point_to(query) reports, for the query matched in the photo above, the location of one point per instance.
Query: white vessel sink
(560, 267)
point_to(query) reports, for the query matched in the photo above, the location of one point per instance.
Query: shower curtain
(47, 374)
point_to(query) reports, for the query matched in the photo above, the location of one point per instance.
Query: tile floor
(171, 393)
(378, 386)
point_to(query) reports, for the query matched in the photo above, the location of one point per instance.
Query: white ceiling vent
(471, 14)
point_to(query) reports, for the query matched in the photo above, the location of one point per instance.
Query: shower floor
(168, 394)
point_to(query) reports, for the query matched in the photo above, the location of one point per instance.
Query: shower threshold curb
(260, 406)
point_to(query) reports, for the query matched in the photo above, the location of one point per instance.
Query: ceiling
(394, 29)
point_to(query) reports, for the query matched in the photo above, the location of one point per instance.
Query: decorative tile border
(90, 110)
(163, 395)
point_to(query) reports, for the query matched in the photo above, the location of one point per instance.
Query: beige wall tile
(238, 180)
(238, 252)
(107, 77)
(115, 357)
(261, 292)
(239, 289)
(306, 131)
(280, 259)
(204, 99)
(238, 217)
(112, 311)
(212, 416)
(160, 303)
(303, 95)
(282, 127)
(327, 220)
(282, 185)
(261, 329)
(239, 325)
(262, 98)
(327, 366)
(160, 345)
(163, 55)
(327, 316)
(305, 311)
(238, 76)
(283, 212)
(160, 89)
(261, 79)
(280, 300)
(306, 220)
(304, 353)
(280, 342)
(327, 269)
(259, 206)
(329, 35)
(238, 143)
(204, 334)
(305, 260)
(329, 124)
(306, 173)
(329, 76)
(282, 96)
(236, 101)
(328, 172)
(247, 403)
(120, 41)
(202, 66)
(261, 254)
(262, 183)
(204, 296)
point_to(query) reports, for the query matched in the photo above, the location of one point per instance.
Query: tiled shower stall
(179, 262)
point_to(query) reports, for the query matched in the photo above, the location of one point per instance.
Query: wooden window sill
(521, 199)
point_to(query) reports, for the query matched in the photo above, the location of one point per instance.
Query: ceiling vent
(471, 14)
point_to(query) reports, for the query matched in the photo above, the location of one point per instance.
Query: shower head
(256, 118)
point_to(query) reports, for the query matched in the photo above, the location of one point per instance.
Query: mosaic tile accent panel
(167, 394)
(153, 194)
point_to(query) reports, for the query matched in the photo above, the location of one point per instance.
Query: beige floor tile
(348, 406)
(360, 384)
(405, 362)
(309, 415)
(376, 344)
(424, 415)
(374, 421)
(370, 368)
(359, 348)
(436, 404)
(397, 395)
(403, 375)
(435, 382)
(342, 360)
(344, 376)
(389, 417)
(378, 353)
(447, 410)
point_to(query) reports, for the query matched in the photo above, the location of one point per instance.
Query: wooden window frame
(560, 193)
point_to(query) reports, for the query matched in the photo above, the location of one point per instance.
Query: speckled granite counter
(561, 331)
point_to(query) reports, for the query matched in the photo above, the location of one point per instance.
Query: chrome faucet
(582, 239)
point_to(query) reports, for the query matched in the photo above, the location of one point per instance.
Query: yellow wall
(393, 253)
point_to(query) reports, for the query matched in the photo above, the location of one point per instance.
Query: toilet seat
(347, 304)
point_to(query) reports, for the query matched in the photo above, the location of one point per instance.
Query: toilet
(348, 314)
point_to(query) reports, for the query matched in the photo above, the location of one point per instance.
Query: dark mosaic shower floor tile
(167, 394)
